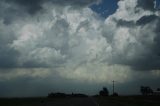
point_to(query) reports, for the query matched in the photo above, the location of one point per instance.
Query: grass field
(90, 101)
(129, 101)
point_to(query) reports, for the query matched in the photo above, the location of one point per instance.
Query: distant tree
(104, 92)
(142, 90)
(145, 90)
(158, 89)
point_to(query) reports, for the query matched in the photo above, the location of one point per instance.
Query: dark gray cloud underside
(146, 4)
(34, 6)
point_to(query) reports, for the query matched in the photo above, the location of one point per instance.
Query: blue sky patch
(158, 4)
(105, 8)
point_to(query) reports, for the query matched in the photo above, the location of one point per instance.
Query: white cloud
(24, 73)
(155, 73)
(78, 45)
(97, 73)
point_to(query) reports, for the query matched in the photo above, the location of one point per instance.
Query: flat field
(88, 101)
(129, 101)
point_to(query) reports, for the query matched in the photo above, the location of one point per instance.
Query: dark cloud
(124, 23)
(149, 60)
(147, 19)
(34, 6)
(140, 35)
(40, 87)
(146, 4)
(34, 64)
(148, 57)
(10, 13)
(11, 10)
(8, 56)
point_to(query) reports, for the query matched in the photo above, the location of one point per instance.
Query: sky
(78, 46)
(105, 7)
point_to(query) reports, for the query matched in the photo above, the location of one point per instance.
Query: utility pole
(113, 86)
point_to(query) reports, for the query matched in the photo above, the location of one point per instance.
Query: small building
(156, 93)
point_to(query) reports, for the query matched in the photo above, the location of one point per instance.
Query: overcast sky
(78, 46)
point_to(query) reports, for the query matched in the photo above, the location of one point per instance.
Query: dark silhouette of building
(146, 90)
(59, 95)
(63, 95)
(157, 92)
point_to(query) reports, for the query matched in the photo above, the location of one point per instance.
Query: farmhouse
(156, 93)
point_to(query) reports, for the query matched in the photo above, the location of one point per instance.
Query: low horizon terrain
(85, 101)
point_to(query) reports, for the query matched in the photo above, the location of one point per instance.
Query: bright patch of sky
(105, 8)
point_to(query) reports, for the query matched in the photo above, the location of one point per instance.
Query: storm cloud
(135, 30)
(59, 40)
